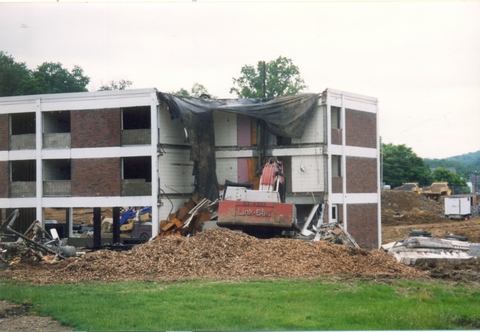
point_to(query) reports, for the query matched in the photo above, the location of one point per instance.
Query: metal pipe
(33, 242)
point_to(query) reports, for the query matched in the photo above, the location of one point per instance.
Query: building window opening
(22, 123)
(136, 118)
(23, 170)
(335, 117)
(56, 122)
(137, 168)
(57, 169)
(336, 166)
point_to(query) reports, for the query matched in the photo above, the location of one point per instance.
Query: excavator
(262, 212)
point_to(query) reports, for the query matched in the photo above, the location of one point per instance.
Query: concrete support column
(116, 225)
(97, 227)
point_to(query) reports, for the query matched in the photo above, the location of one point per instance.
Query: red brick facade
(337, 185)
(96, 177)
(4, 132)
(361, 129)
(363, 224)
(337, 136)
(96, 128)
(361, 175)
(4, 179)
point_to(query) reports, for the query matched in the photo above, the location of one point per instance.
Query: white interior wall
(225, 126)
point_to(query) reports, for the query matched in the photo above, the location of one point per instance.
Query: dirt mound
(218, 254)
(468, 270)
(401, 207)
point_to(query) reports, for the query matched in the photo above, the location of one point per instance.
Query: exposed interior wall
(225, 125)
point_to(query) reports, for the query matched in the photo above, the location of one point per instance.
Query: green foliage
(401, 165)
(472, 158)
(457, 183)
(114, 85)
(465, 164)
(51, 77)
(294, 304)
(11, 75)
(281, 78)
(196, 91)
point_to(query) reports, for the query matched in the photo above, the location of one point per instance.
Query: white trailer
(459, 207)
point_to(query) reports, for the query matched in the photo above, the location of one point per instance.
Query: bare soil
(14, 317)
(403, 212)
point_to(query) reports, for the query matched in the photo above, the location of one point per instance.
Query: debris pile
(335, 233)
(188, 219)
(32, 245)
(217, 254)
(419, 249)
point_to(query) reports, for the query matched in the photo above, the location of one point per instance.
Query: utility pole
(264, 80)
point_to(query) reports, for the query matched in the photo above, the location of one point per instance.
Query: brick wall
(337, 136)
(4, 132)
(337, 185)
(96, 128)
(361, 175)
(361, 128)
(4, 179)
(96, 177)
(363, 224)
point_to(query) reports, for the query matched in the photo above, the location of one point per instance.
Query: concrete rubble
(417, 250)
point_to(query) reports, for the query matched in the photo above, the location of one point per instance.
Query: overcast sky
(421, 60)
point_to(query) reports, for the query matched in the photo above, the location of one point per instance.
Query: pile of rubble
(188, 220)
(217, 254)
(400, 207)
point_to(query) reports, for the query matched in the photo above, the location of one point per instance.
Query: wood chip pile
(217, 254)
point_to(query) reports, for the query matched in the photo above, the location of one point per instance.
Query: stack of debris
(33, 245)
(416, 250)
(217, 254)
(334, 233)
(189, 219)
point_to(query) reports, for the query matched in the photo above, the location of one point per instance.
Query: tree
(196, 91)
(455, 181)
(16, 79)
(401, 165)
(11, 75)
(114, 85)
(51, 77)
(279, 77)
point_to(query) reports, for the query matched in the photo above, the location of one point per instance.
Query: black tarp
(284, 116)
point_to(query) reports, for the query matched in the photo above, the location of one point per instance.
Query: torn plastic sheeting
(285, 116)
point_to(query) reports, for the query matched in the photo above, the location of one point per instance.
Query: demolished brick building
(137, 148)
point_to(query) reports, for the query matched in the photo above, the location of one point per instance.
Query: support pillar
(97, 227)
(116, 225)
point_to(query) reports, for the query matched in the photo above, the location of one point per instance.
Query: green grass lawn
(253, 305)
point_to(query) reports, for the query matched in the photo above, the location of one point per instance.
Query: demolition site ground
(226, 255)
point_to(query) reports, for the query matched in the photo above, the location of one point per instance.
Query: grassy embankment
(253, 305)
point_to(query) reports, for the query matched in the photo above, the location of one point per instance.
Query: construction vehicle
(436, 190)
(409, 186)
(138, 221)
(261, 213)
